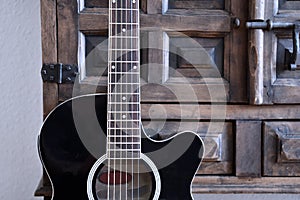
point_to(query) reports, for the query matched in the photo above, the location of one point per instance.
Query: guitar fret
(121, 143)
(124, 136)
(122, 150)
(123, 93)
(127, 128)
(123, 49)
(124, 23)
(121, 103)
(124, 83)
(124, 112)
(124, 120)
(124, 61)
(123, 37)
(126, 73)
(121, 9)
(124, 155)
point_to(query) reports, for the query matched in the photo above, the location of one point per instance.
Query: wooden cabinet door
(213, 66)
(194, 46)
(276, 84)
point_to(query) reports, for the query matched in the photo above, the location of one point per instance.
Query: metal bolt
(68, 79)
(68, 67)
(44, 72)
(51, 67)
(236, 22)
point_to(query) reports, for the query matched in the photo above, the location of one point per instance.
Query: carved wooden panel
(166, 72)
(206, 60)
(289, 4)
(278, 84)
(284, 52)
(218, 141)
(96, 4)
(197, 4)
(281, 149)
(96, 55)
(248, 149)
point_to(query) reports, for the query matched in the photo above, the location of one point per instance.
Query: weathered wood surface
(49, 48)
(192, 4)
(280, 159)
(256, 54)
(177, 20)
(67, 36)
(284, 91)
(236, 49)
(217, 137)
(289, 5)
(248, 149)
(231, 184)
(233, 112)
(278, 89)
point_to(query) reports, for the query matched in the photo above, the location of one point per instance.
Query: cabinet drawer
(217, 137)
(282, 148)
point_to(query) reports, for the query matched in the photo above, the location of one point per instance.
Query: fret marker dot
(113, 67)
(124, 98)
(134, 67)
(124, 116)
(124, 30)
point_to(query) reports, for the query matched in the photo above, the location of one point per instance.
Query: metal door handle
(269, 25)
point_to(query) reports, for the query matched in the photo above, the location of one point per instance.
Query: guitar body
(73, 139)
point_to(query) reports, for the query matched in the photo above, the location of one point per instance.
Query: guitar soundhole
(115, 177)
(123, 179)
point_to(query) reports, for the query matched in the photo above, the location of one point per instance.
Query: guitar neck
(124, 128)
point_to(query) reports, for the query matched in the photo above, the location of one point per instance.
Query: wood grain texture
(67, 20)
(154, 7)
(49, 55)
(237, 59)
(217, 137)
(175, 20)
(49, 49)
(248, 149)
(280, 86)
(256, 55)
(233, 112)
(229, 184)
(279, 160)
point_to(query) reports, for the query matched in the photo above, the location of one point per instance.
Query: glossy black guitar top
(73, 139)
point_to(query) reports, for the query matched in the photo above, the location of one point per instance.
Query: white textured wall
(20, 98)
(21, 106)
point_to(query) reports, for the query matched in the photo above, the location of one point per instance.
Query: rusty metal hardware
(236, 22)
(294, 61)
(59, 73)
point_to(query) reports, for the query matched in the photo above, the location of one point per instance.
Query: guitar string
(115, 106)
(126, 63)
(119, 84)
(132, 99)
(139, 100)
(109, 97)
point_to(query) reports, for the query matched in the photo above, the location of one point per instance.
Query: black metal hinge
(59, 73)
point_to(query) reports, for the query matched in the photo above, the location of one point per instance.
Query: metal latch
(294, 61)
(59, 73)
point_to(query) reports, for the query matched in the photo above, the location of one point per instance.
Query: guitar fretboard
(123, 125)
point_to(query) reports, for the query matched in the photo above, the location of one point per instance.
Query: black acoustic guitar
(93, 147)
